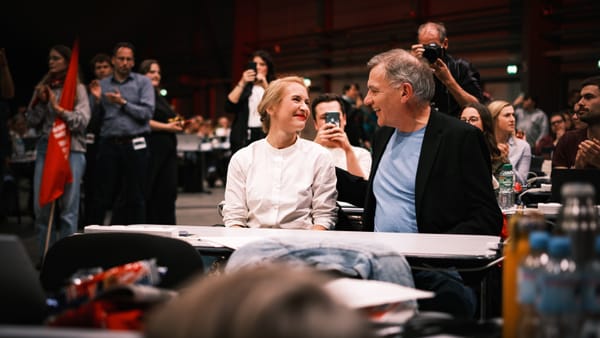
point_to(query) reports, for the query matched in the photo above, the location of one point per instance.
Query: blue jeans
(67, 204)
(357, 259)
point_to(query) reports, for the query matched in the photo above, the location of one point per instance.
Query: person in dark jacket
(243, 100)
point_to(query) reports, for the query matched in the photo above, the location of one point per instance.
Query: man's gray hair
(402, 67)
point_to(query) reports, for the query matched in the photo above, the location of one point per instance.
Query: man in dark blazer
(431, 172)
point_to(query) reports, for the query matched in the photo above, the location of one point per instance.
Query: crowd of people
(424, 167)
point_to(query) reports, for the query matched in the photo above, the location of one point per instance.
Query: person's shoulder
(459, 61)
(249, 150)
(311, 146)
(575, 134)
(360, 150)
(521, 143)
(105, 81)
(447, 121)
(140, 77)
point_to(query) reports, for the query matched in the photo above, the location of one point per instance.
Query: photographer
(243, 100)
(456, 80)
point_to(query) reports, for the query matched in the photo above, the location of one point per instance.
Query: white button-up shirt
(290, 188)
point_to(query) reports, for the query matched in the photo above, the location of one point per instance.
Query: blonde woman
(518, 150)
(282, 181)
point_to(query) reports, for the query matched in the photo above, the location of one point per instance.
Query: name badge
(138, 143)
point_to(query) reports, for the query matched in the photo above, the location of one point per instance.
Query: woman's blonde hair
(273, 96)
(496, 106)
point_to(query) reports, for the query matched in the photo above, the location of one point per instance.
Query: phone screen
(333, 117)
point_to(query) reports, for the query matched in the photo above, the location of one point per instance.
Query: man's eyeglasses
(472, 119)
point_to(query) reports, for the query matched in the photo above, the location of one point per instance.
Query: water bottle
(506, 178)
(528, 272)
(515, 250)
(558, 303)
(578, 219)
(591, 296)
(19, 147)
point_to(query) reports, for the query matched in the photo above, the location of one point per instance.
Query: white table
(432, 246)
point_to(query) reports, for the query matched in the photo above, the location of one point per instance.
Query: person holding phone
(329, 114)
(243, 100)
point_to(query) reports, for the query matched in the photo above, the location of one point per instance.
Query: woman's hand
(42, 93)
(249, 75)
(52, 99)
(261, 80)
(317, 227)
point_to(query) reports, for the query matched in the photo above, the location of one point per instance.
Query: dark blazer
(239, 126)
(454, 191)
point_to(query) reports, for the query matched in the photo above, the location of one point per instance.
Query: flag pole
(49, 230)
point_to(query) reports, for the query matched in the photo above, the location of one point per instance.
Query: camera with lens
(432, 52)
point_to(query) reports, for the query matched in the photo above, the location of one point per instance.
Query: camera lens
(432, 52)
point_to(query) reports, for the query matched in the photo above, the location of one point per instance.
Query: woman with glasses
(479, 116)
(545, 146)
(43, 109)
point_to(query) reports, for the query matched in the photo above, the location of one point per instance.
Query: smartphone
(251, 65)
(333, 117)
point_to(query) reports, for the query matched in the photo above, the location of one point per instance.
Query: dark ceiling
(187, 37)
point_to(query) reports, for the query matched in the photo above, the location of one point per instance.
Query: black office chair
(109, 249)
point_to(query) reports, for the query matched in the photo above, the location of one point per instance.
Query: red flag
(57, 171)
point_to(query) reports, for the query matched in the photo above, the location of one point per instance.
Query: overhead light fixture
(512, 69)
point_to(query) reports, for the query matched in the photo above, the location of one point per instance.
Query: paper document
(360, 293)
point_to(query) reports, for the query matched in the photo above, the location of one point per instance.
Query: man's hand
(588, 154)
(332, 136)
(441, 71)
(115, 97)
(95, 90)
(417, 50)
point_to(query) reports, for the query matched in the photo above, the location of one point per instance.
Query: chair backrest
(21, 295)
(109, 249)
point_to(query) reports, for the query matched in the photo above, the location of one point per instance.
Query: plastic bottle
(506, 195)
(558, 303)
(529, 269)
(515, 250)
(578, 219)
(19, 147)
(591, 295)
